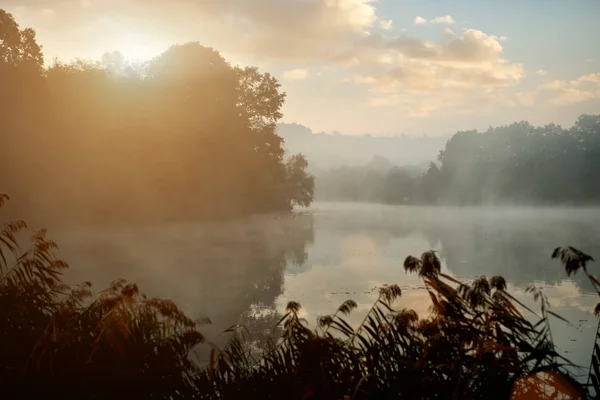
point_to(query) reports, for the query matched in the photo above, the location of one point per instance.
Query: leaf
(557, 316)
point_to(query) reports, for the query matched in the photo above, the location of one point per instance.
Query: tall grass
(476, 344)
(76, 343)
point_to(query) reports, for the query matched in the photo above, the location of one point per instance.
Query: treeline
(379, 181)
(185, 135)
(519, 163)
(513, 164)
(331, 150)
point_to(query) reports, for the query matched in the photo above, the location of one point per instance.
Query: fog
(325, 151)
(176, 175)
(245, 271)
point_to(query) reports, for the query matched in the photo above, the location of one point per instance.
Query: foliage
(513, 164)
(185, 135)
(19, 48)
(475, 344)
(378, 181)
(575, 260)
(73, 343)
(520, 163)
(301, 184)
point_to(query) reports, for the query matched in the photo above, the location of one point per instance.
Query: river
(246, 271)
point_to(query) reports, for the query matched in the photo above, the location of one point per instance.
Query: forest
(185, 135)
(517, 164)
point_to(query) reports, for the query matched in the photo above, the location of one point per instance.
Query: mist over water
(246, 270)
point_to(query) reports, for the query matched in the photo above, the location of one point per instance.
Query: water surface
(246, 271)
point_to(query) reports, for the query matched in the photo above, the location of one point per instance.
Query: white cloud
(553, 85)
(301, 29)
(585, 87)
(420, 21)
(386, 24)
(473, 47)
(541, 72)
(570, 96)
(295, 74)
(503, 38)
(595, 78)
(446, 19)
(449, 32)
(454, 70)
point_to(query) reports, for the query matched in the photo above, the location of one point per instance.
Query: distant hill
(329, 150)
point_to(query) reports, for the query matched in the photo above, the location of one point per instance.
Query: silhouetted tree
(185, 135)
(301, 184)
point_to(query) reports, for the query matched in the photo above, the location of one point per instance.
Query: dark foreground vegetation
(68, 342)
(185, 135)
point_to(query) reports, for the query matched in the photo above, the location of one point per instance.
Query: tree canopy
(185, 135)
(520, 163)
(513, 164)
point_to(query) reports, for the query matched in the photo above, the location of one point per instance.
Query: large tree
(185, 135)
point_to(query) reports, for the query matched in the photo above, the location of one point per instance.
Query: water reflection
(220, 271)
(246, 271)
(360, 247)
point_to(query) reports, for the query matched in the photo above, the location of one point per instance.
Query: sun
(138, 47)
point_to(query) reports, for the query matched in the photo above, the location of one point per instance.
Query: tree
(398, 187)
(522, 163)
(300, 183)
(185, 135)
(18, 47)
(431, 184)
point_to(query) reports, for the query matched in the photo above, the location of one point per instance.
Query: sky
(363, 66)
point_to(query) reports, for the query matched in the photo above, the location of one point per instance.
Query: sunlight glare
(137, 47)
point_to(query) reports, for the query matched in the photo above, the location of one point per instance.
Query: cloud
(295, 74)
(455, 71)
(553, 85)
(256, 29)
(570, 96)
(446, 19)
(386, 25)
(595, 78)
(342, 35)
(526, 98)
(541, 72)
(585, 87)
(473, 47)
(298, 29)
(449, 32)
